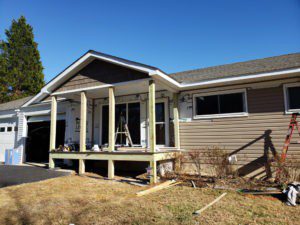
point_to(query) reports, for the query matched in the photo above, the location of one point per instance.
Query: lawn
(85, 200)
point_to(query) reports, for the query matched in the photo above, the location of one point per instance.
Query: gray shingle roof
(276, 63)
(14, 104)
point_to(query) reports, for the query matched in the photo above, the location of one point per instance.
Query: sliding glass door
(128, 113)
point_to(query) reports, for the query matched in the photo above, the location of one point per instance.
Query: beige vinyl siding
(250, 137)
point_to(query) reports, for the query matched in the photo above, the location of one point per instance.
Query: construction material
(292, 192)
(193, 183)
(198, 212)
(161, 186)
(262, 193)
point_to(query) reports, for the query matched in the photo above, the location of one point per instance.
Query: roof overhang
(241, 79)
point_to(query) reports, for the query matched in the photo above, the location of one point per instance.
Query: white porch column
(152, 129)
(111, 132)
(53, 129)
(82, 146)
(176, 121)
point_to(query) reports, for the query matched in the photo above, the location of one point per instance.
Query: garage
(8, 132)
(38, 134)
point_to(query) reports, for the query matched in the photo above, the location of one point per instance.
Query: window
(9, 129)
(292, 97)
(16, 128)
(2, 129)
(221, 104)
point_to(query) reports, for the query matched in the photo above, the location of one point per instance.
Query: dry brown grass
(83, 200)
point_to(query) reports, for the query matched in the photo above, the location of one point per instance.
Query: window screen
(9, 129)
(294, 97)
(220, 104)
(2, 129)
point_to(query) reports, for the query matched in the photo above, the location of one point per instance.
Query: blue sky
(171, 35)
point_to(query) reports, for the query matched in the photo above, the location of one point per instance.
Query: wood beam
(83, 111)
(81, 166)
(152, 124)
(111, 169)
(111, 130)
(176, 120)
(53, 122)
(53, 128)
(153, 175)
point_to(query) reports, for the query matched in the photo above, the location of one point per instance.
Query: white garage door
(8, 132)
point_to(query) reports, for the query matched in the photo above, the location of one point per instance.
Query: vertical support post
(111, 169)
(176, 121)
(81, 169)
(82, 147)
(152, 124)
(152, 130)
(52, 129)
(83, 109)
(111, 134)
(153, 175)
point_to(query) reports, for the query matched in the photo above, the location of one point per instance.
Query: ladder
(123, 126)
(292, 125)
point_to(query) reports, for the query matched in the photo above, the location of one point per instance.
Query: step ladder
(123, 126)
(293, 124)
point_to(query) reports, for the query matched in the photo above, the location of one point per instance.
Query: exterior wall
(7, 139)
(251, 138)
(98, 73)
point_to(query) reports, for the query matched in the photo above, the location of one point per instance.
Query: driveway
(13, 175)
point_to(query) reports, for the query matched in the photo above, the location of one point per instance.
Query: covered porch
(149, 106)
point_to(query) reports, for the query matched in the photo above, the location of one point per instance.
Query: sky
(171, 35)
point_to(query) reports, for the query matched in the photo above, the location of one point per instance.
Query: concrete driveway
(13, 175)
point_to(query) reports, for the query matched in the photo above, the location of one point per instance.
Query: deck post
(52, 129)
(176, 121)
(152, 129)
(82, 148)
(111, 134)
(111, 169)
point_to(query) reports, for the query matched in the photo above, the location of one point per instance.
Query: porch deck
(126, 154)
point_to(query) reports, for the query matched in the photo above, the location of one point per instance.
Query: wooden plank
(176, 120)
(152, 124)
(83, 112)
(111, 133)
(155, 188)
(198, 212)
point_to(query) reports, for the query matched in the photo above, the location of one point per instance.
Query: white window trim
(286, 97)
(224, 115)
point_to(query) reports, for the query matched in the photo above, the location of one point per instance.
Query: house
(244, 108)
